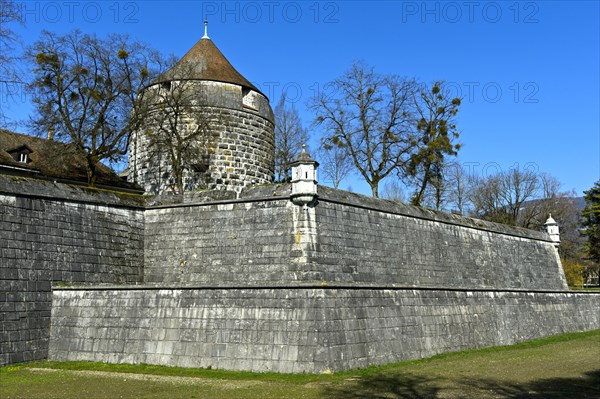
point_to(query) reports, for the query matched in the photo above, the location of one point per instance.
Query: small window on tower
(249, 99)
(165, 86)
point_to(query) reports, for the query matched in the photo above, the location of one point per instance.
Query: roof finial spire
(205, 30)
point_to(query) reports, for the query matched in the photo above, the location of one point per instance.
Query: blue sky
(528, 71)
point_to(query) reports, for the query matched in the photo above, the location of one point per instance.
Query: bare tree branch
(290, 135)
(175, 124)
(335, 163)
(369, 115)
(10, 77)
(85, 90)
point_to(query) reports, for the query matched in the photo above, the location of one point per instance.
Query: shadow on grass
(386, 386)
(586, 387)
(405, 386)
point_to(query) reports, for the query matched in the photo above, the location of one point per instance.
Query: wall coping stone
(219, 202)
(301, 286)
(332, 195)
(55, 191)
(33, 188)
(276, 192)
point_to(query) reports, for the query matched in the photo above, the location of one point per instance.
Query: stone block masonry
(250, 281)
(240, 152)
(221, 243)
(346, 238)
(54, 233)
(295, 329)
(366, 240)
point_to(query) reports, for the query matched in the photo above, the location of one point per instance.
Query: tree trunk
(91, 171)
(178, 172)
(375, 188)
(418, 198)
(180, 183)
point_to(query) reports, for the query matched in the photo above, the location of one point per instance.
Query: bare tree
(85, 90)
(175, 125)
(335, 165)
(370, 115)
(459, 185)
(549, 199)
(9, 13)
(392, 190)
(290, 135)
(525, 198)
(500, 198)
(436, 195)
(9, 77)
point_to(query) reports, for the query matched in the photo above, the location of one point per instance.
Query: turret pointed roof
(304, 158)
(550, 221)
(205, 61)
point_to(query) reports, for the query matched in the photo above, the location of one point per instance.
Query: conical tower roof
(205, 61)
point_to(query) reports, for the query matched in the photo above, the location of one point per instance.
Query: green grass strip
(294, 378)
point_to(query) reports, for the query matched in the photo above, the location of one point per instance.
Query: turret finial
(205, 30)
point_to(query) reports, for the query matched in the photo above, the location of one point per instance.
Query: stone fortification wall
(241, 147)
(349, 282)
(345, 238)
(309, 329)
(54, 233)
(249, 241)
(362, 239)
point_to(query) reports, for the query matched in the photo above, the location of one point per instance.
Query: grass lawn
(562, 367)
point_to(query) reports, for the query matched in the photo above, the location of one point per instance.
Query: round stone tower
(225, 132)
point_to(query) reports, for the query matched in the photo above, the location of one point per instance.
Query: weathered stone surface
(346, 238)
(256, 262)
(42, 189)
(242, 145)
(359, 239)
(55, 233)
(301, 329)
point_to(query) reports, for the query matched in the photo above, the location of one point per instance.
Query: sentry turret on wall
(304, 179)
(221, 125)
(552, 229)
